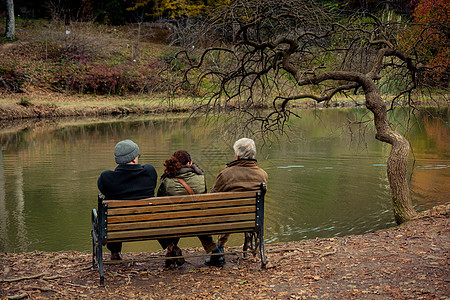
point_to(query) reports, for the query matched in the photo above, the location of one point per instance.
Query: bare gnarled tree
(288, 50)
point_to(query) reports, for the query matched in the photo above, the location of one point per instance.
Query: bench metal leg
(260, 223)
(94, 236)
(100, 264)
(97, 257)
(94, 251)
(248, 243)
(262, 251)
(253, 242)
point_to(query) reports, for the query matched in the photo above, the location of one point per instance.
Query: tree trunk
(10, 20)
(398, 158)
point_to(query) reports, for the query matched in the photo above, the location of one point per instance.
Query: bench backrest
(176, 216)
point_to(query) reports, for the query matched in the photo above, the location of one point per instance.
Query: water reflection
(325, 179)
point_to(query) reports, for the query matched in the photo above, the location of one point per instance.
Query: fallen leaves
(312, 277)
(365, 266)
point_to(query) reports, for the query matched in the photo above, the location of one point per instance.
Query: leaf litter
(410, 261)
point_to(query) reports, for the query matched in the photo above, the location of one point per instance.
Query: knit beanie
(125, 151)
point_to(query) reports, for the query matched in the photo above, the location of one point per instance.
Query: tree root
(21, 296)
(23, 278)
(5, 85)
(40, 288)
(33, 277)
(32, 287)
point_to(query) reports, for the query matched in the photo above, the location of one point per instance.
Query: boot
(116, 256)
(177, 252)
(216, 260)
(170, 262)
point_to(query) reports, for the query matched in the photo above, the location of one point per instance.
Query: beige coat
(240, 175)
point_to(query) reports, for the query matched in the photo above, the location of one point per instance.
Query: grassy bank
(54, 105)
(51, 105)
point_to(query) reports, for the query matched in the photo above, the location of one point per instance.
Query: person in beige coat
(242, 174)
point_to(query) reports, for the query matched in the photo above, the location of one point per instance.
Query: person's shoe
(116, 256)
(177, 252)
(213, 262)
(216, 260)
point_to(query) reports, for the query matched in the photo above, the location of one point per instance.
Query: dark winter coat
(128, 182)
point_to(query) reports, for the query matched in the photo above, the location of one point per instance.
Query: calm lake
(326, 178)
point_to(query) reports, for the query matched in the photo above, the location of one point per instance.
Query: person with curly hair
(182, 177)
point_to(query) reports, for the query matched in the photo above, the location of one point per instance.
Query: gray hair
(245, 148)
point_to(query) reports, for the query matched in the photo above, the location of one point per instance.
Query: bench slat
(180, 231)
(178, 207)
(179, 199)
(181, 222)
(181, 214)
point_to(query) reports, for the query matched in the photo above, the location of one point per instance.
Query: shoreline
(51, 106)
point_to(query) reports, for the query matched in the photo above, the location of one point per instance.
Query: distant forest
(121, 12)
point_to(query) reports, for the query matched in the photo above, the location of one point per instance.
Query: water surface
(326, 178)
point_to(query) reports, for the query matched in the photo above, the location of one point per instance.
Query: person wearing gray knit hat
(128, 181)
(126, 151)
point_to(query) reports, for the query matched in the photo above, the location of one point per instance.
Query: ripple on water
(433, 167)
(289, 167)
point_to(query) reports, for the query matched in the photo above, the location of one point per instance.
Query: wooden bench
(179, 216)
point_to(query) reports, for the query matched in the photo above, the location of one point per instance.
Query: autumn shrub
(101, 79)
(143, 77)
(429, 33)
(92, 79)
(12, 80)
(78, 43)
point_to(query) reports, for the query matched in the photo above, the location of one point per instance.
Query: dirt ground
(410, 261)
